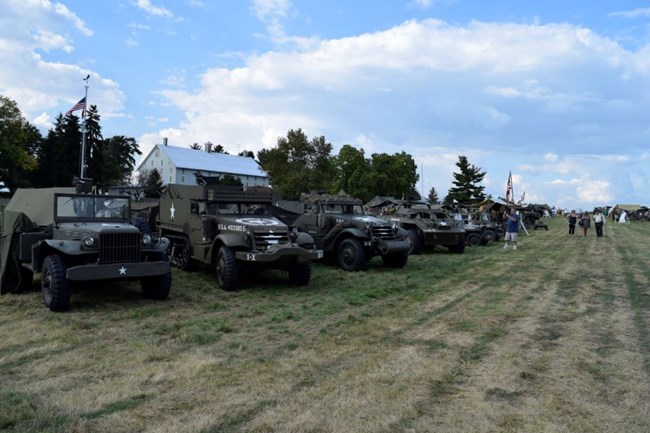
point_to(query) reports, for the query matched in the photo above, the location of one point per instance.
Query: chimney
(208, 146)
(164, 141)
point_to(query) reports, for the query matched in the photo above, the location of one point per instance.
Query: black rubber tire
(158, 287)
(415, 240)
(227, 269)
(395, 260)
(54, 286)
(473, 239)
(459, 248)
(300, 274)
(351, 256)
(491, 236)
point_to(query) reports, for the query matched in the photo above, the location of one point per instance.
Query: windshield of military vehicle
(342, 208)
(95, 207)
(238, 208)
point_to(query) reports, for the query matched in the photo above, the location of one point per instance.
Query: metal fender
(231, 240)
(68, 248)
(401, 233)
(304, 238)
(351, 231)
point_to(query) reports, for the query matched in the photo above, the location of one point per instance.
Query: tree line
(297, 164)
(29, 159)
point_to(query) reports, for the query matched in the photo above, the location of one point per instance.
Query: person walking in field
(599, 221)
(512, 219)
(585, 222)
(573, 219)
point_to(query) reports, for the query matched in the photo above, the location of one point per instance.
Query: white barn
(178, 165)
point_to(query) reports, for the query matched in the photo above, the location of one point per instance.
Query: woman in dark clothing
(585, 223)
(572, 222)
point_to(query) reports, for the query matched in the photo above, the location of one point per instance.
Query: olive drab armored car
(74, 238)
(427, 226)
(343, 230)
(231, 227)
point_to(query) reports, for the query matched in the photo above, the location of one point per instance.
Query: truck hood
(261, 222)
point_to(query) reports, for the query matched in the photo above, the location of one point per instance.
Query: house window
(170, 179)
(157, 152)
(152, 162)
(182, 179)
(161, 162)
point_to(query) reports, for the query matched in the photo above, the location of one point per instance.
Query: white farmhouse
(178, 165)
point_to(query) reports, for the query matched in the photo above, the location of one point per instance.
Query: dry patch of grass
(550, 338)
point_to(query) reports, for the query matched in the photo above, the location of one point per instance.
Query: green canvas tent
(28, 210)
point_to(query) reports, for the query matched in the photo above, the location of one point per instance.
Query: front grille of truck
(119, 247)
(263, 240)
(383, 232)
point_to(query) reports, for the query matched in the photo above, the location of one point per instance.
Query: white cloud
(157, 11)
(634, 13)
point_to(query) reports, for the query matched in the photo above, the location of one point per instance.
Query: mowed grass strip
(551, 337)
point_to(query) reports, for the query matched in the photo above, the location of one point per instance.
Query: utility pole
(83, 132)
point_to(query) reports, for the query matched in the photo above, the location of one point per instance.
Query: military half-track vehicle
(231, 228)
(74, 238)
(427, 227)
(340, 227)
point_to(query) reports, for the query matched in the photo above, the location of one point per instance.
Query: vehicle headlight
(147, 239)
(395, 226)
(247, 231)
(294, 234)
(89, 241)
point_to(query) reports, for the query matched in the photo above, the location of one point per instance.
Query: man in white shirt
(599, 221)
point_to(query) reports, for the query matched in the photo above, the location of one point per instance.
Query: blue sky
(558, 92)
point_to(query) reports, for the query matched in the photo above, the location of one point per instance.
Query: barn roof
(194, 159)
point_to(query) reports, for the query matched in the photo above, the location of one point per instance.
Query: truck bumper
(275, 254)
(117, 271)
(394, 247)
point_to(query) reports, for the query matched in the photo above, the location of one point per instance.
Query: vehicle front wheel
(158, 287)
(351, 255)
(300, 274)
(415, 240)
(227, 269)
(473, 239)
(54, 286)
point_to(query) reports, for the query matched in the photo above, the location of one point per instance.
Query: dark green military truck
(232, 229)
(343, 230)
(73, 239)
(427, 227)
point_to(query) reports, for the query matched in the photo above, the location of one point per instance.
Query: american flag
(81, 105)
(509, 187)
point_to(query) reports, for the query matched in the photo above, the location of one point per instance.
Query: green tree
(18, 143)
(247, 154)
(297, 164)
(352, 172)
(467, 188)
(433, 196)
(59, 156)
(393, 175)
(94, 159)
(118, 155)
(153, 184)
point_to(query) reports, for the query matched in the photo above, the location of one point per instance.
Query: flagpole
(83, 132)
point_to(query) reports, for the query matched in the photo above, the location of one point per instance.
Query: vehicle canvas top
(36, 203)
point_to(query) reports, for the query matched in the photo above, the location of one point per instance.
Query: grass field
(553, 337)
